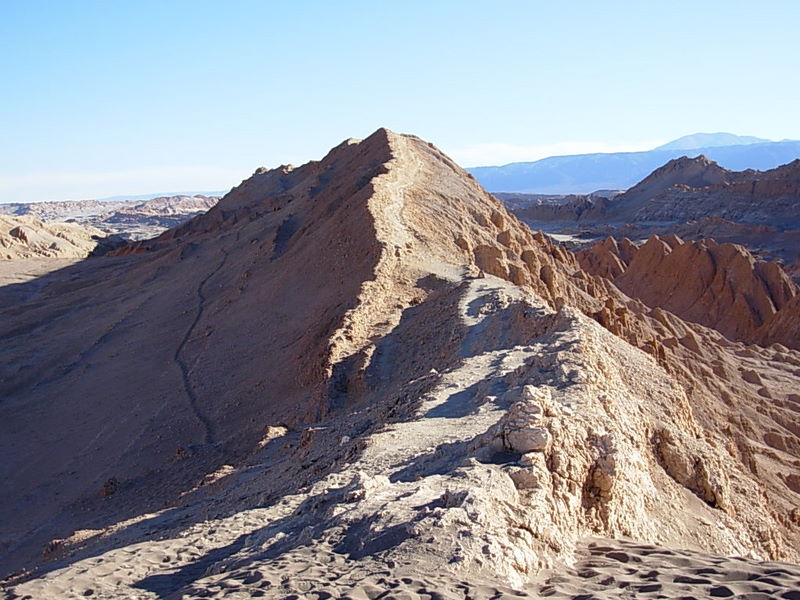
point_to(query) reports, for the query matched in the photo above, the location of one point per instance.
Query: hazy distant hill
(584, 173)
(711, 140)
(151, 196)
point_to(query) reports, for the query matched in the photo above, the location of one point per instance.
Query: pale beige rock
(27, 237)
(527, 439)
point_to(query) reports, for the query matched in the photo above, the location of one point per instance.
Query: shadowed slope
(153, 369)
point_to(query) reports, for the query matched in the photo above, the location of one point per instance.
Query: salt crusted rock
(363, 485)
(519, 430)
(699, 472)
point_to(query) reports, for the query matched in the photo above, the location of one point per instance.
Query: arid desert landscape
(453, 300)
(365, 378)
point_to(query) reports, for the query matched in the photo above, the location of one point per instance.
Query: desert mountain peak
(694, 172)
(341, 358)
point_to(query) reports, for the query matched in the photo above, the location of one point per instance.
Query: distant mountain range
(585, 173)
(711, 140)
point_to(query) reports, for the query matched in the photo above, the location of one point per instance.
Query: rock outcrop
(718, 285)
(364, 370)
(27, 237)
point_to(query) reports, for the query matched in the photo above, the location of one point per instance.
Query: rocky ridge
(718, 285)
(383, 371)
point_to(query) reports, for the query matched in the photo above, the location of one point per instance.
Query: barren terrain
(695, 199)
(364, 378)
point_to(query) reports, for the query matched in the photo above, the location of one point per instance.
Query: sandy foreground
(406, 518)
(602, 569)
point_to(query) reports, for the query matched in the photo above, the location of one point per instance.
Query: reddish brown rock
(718, 285)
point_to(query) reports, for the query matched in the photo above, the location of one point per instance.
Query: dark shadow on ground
(166, 584)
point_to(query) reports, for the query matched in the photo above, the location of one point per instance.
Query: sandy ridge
(379, 303)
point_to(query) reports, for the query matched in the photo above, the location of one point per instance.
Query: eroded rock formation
(718, 285)
(696, 199)
(365, 370)
(26, 237)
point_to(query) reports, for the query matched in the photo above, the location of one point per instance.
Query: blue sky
(129, 97)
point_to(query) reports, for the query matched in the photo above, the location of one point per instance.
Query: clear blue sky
(126, 97)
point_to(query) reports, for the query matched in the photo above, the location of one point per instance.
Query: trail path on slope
(209, 434)
(397, 183)
(456, 410)
(376, 311)
(185, 556)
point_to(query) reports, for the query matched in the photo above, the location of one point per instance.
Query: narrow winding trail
(209, 435)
